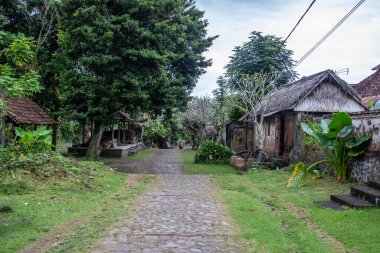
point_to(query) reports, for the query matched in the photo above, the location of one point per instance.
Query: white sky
(354, 45)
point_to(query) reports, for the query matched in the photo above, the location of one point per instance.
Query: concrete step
(351, 201)
(366, 192)
(374, 184)
(330, 204)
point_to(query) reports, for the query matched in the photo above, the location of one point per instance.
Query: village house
(286, 107)
(22, 111)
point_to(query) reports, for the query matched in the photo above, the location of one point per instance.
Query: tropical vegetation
(339, 145)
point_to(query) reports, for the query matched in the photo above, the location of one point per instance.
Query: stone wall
(365, 169)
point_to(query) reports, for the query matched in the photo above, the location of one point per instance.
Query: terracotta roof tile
(369, 86)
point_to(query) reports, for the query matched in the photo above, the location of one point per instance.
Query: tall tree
(262, 53)
(144, 55)
(220, 107)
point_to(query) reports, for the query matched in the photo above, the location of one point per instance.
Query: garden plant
(339, 145)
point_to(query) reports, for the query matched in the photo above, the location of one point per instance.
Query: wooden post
(3, 130)
(124, 133)
(112, 136)
(10, 132)
(246, 136)
(118, 134)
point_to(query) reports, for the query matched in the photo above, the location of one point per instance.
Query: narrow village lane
(179, 213)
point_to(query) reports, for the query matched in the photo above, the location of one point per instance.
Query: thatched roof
(290, 95)
(370, 86)
(22, 110)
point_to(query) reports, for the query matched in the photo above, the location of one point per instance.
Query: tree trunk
(92, 150)
(260, 142)
(142, 134)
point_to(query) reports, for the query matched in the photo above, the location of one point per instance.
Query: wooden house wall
(289, 131)
(270, 130)
(279, 136)
(328, 98)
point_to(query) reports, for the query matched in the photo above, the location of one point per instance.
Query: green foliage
(260, 54)
(148, 55)
(17, 76)
(156, 131)
(69, 129)
(42, 165)
(338, 142)
(212, 152)
(38, 140)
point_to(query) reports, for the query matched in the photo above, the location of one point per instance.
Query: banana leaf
(339, 121)
(299, 175)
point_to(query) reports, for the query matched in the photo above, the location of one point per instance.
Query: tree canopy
(262, 53)
(142, 55)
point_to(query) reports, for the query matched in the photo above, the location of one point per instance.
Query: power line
(328, 34)
(291, 32)
(298, 22)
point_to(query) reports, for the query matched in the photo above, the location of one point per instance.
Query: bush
(213, 152)
(42, 165)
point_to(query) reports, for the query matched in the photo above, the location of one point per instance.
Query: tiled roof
(371, 85)
(368, 101)
(22, 110)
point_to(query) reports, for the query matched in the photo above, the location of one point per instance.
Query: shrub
(212, 152)
(42, 165)
(34, 141)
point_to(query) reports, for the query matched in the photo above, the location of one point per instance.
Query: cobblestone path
(180, 213)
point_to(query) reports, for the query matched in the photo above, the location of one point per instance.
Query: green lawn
(274, 218)
(40, 206)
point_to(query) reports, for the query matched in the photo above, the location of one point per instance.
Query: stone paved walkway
(180, 213)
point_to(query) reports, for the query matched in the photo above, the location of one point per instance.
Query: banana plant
(33, 141)
(339, 146)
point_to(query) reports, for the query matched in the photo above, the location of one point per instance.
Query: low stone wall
(365, 169)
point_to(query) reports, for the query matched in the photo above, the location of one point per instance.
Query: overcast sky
(354, 45)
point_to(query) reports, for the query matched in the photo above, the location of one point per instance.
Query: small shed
(22, 111)
(287, 106)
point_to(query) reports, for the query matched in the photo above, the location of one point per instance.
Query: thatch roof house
(284, 109)
(22, 111)
(369, 88)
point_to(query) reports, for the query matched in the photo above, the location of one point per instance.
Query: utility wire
(328, 34)
(291, 32)
(298, 22)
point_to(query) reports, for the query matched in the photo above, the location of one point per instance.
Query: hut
(115, 142)
(287, 106)
(21, 112)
